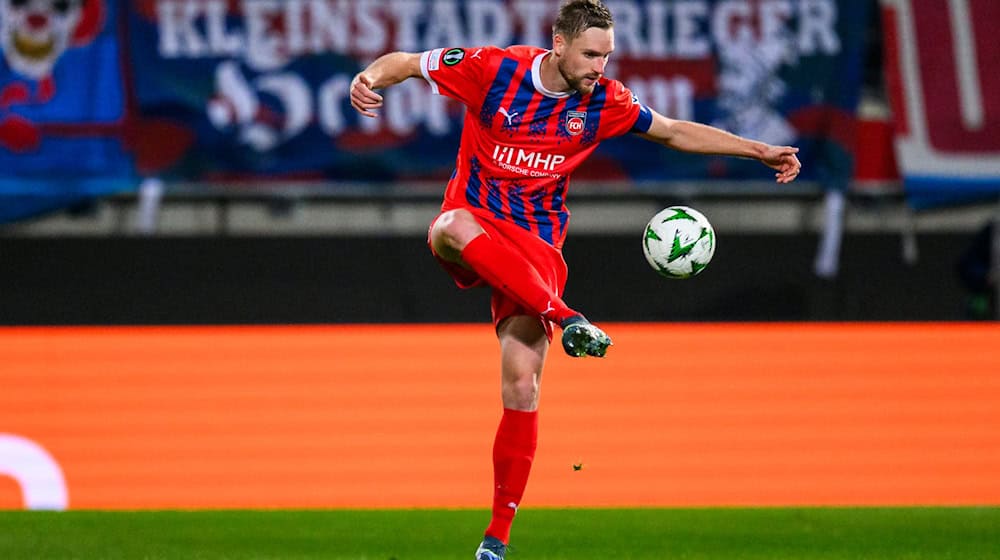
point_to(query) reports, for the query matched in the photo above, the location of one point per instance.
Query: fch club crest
(575, 121)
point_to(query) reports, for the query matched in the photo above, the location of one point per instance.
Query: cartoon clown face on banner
(35, 33)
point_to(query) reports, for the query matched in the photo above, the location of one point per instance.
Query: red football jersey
(520, 142)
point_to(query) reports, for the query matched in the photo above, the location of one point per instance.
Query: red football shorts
(545, 258)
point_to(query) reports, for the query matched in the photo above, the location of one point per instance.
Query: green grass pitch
(549, 534)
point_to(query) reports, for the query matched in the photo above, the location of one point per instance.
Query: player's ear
(558, 44)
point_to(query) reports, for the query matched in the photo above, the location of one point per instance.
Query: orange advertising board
(404, 416)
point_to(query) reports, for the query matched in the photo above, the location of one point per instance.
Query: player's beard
(576, 83)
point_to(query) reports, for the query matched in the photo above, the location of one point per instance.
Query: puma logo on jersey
(508, 116)
(476, 54)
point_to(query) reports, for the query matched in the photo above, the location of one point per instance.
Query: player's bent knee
(453, 230)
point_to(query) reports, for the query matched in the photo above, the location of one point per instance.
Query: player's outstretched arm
(688, 136)
(387, 70)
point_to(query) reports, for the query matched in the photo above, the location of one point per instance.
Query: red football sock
(507, 271)
(513, 452)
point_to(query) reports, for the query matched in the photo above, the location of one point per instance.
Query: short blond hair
(577, 16)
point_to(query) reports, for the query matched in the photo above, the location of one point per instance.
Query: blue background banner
(62, 107)
(254, 91)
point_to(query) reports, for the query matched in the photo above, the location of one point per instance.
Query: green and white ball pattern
(678, 242)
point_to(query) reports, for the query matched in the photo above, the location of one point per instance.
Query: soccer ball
(679, 242)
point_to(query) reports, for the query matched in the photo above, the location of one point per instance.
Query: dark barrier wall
(218, 280)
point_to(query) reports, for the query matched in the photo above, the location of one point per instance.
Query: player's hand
(783, 159)
(363, 99)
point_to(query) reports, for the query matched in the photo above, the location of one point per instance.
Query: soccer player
(533, 116)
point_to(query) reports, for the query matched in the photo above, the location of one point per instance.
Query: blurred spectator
(979, 274)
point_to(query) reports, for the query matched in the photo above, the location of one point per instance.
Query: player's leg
(523, 346)
(457, 237)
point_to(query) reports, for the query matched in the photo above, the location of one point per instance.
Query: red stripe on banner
(893, 71)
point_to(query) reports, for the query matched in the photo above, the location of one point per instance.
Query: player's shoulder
(616, 91)
(485, 54)
(611, 85)
(523, 52)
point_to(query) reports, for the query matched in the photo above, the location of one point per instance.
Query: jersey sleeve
(624, 112)
(457, 72)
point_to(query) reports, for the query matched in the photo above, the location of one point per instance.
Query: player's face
(582, 60)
